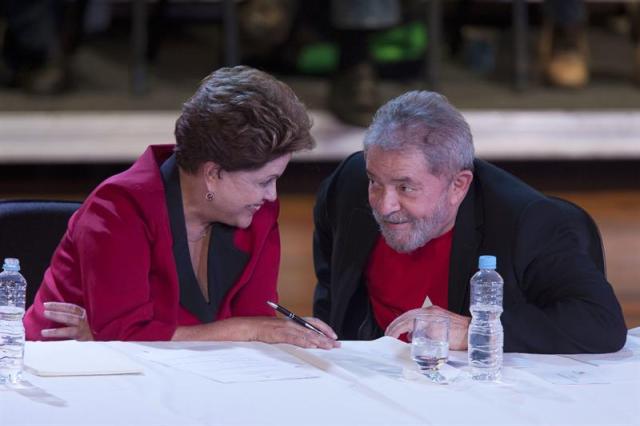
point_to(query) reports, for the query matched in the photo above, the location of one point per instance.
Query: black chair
(591, 238)
(30, 230)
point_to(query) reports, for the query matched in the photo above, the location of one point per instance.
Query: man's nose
(387, 202)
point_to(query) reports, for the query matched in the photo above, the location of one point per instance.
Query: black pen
(284, 311)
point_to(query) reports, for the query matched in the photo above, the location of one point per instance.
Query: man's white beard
(419, 233)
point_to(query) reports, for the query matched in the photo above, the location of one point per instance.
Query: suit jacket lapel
(224, 265)
(191, 297)
(355, 244)
(467, 237)
(225, 262)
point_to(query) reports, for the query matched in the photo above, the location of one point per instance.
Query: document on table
(581, 375)
(234, 363)
(73, 358)
(354, 360)
(556, 369)
(370, 367)
(581, 369)
(384, 358)
(629, 353)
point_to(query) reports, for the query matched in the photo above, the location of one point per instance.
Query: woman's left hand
(72, 317)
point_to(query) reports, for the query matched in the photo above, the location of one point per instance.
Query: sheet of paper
(629, 353)
(72, 358)
(234, 363)
(531, 361)
(579, 375)
(356, 360)
(557, 369)
(385, 357)
(371, 368)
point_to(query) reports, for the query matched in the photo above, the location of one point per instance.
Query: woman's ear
(211, 171)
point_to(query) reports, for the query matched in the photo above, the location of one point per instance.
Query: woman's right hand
(280, 330)
(73, 319)
(261, 329)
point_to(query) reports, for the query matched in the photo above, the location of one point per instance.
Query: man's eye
(405, 188)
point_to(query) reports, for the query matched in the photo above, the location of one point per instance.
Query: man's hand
(72, 317)
(457, 332)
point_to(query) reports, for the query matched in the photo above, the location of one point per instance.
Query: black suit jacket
(556, 296)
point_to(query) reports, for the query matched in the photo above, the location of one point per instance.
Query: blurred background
(551, 91)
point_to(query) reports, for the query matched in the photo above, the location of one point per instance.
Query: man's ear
(460, 185)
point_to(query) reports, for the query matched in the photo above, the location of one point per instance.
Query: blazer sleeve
(262, 285)
(322, 251)
(564, 303)
(114, 245)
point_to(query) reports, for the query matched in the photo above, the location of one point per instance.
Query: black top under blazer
(556, 296)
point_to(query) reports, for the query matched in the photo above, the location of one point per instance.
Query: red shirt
(399, 282)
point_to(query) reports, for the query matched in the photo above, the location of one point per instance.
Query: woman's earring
(209, 196)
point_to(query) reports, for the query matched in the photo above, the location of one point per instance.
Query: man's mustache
(392, 218)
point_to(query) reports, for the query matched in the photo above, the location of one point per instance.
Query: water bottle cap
(487, 262)
(11, 264)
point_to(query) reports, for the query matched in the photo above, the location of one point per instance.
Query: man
(414, 237)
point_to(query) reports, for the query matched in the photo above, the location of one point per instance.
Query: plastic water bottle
(486, 336)
(12, 294)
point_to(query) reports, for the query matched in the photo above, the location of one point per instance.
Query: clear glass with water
(13, 288)
(430, 344)
(486, 336)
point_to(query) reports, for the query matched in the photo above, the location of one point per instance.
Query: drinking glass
(430, 344)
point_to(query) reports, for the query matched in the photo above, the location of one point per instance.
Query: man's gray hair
(427, 121)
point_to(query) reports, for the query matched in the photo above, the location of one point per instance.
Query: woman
(184, 245)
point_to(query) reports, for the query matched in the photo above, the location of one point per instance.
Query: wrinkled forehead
(396, 164)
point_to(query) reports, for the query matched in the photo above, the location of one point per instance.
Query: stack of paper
(72, 358)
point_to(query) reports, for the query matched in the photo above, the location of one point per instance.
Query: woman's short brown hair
(240, 118)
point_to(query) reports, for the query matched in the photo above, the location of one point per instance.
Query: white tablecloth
(358, 384)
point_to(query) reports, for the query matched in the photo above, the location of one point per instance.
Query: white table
(363, 383)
